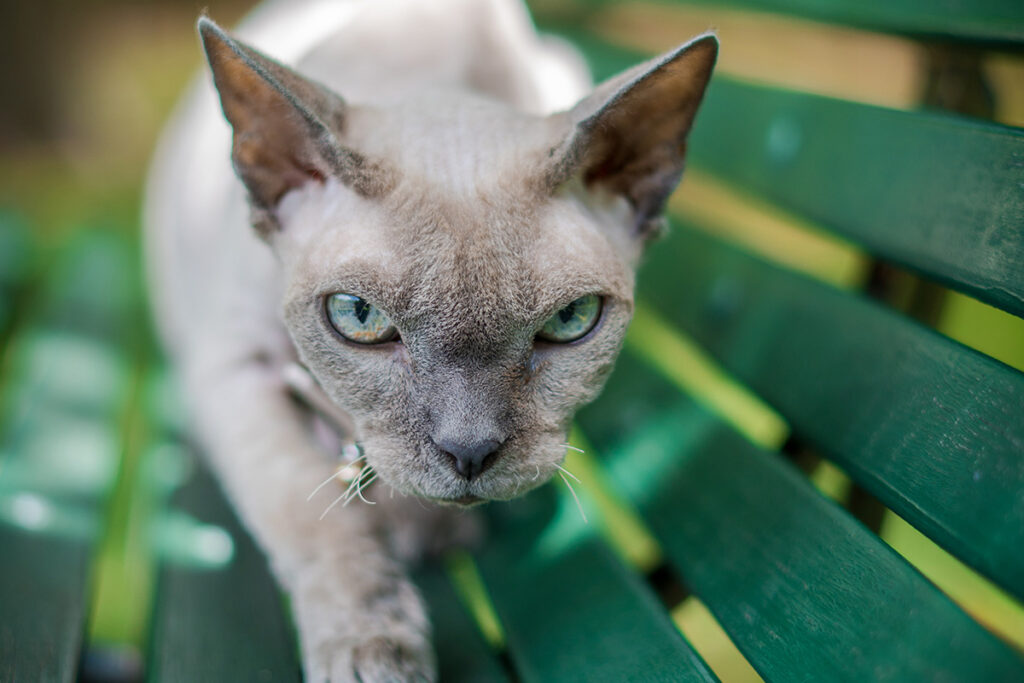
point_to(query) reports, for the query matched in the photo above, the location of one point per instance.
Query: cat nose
(470, 458)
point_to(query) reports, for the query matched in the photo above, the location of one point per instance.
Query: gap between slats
(975, 593)
(726, 212)
(890, 70)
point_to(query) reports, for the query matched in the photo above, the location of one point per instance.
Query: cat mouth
(468, 500)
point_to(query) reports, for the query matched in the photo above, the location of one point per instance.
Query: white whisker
(359, 491)
(347, 494)
(573, 448)
(336, 475)
(537, 476)
(366, 478)
(579, 506)
(575, 478)
(336, 501)
(349, 463)
(325, 482)
(355, 481)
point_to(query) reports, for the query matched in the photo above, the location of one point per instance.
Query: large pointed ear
(284, 126)
(629, 135)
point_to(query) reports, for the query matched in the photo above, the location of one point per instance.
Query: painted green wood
(983, 20)
(16, 256)
(43, 585)
(999, 21)
(571, 610)
(462, 654)
(220, 624)
(96, 289)
(941, 195)
(932, 428)
(804, 590)
(58, 458)
(938, 194)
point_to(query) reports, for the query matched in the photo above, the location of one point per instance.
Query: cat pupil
(566, 314)
(362, 310)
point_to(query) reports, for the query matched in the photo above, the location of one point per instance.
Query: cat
(432, 245)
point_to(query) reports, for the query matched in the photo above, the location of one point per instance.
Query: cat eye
(572, 322)
(359, 321)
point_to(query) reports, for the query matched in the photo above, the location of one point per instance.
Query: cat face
(468, 278)
(467, 231)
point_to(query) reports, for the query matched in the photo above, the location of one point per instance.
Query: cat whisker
(354, 482)
(367, 477)
(579, 505)
(347, 494)
(359, 490)
(329, 507)
(573, 448)
(354, 487)
(575, 478)
(349, 463)
(336, 475)
(522, 481)
(325, 482)
(537, 476)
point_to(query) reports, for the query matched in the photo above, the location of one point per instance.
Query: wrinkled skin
(416, 164)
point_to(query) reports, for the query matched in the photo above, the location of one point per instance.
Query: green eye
(573, 321)
(359, 321)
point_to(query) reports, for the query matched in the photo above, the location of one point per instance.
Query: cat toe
(384, 660)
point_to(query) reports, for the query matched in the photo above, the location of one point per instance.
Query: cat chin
(467, 501)
(478, 493)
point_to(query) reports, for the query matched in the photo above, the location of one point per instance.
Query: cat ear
(629, 135)
(283, 125)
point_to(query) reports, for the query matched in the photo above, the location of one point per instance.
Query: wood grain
(930, 427)
(572, 611)
(803, 589)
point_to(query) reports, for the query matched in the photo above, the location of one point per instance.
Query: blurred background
(89, 422)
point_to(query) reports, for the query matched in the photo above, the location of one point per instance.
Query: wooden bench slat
(462, 654)
(800, 586)
(220, 624)
(16, 252)
(96, 290)
(937, 194)
(975, 20)
(43, 585)
(58, 459)
(931, 427)
(573, 612)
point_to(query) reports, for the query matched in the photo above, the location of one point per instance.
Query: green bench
(690, 491)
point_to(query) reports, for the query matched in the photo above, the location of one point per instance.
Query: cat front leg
(359, 618)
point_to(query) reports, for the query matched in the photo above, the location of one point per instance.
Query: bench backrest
(786, 332)
(691, 490)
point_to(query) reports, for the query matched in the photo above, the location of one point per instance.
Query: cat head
(458, 274)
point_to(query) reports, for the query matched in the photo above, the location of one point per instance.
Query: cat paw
(382, 660)
(369, 627)
(375, 660)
